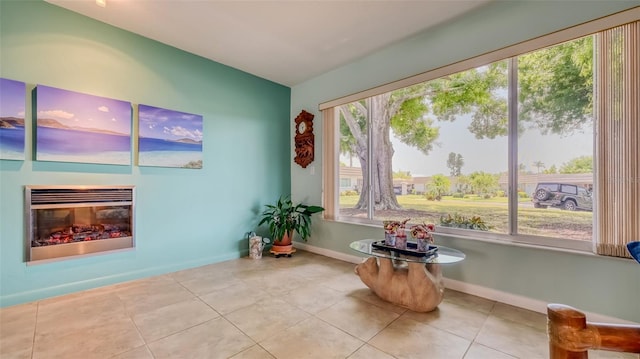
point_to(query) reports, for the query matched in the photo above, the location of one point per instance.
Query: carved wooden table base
(416, 286)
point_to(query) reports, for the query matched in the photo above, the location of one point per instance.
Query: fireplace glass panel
(53, 226)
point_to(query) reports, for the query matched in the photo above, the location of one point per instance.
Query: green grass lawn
(494, 212)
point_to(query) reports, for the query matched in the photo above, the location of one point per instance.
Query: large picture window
(505, 150)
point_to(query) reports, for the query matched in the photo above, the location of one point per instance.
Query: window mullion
(370, 192)
(512, 73)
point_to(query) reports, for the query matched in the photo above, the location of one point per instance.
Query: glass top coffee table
(442, 254)
(404, 277)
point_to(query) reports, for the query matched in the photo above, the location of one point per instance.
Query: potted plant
(423, 236)
(284, 218)
(458, 221)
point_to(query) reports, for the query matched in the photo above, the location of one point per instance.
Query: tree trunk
(382, 149)
(384, 197)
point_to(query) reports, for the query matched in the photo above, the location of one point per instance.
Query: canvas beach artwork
(12, 105)
(169, 138)
(77, 127)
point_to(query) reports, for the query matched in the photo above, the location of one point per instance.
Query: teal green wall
(184, 217)
(597, 284)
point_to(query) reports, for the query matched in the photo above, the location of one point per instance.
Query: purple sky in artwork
(168, 124)
(12, 98)
(75, 109)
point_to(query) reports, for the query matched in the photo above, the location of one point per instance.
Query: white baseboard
(473, 289)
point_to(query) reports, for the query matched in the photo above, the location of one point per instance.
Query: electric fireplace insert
(69, 221)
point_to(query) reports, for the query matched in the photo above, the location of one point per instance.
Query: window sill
(498, 239)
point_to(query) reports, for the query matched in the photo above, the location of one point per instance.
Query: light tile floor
(307, 306)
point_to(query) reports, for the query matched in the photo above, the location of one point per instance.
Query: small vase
(401, 242)
(422, 244)
(390, 239)
(423, 241)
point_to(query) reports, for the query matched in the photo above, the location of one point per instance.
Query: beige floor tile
(173, 318)
(368, 352)
(255, 352)
(322, 310)
(16, 316)
(144, 283)
(142, 352)
(83, 295)
(245, 264)
(214, 339)
(190, 274)
(234, 297)
(311, 338)
(208, 283)
(406, 338)
(146, 297)
(78, 313)
(458, 320)
(479, 304)
(518, 340)
(520, 315)
(17, 329)
(478, 351)
(84, 301)
(16, 346)
(259, 275)
(601, 354)
(263, 321)
(277, 282)
(221, 269)
(368, 296)
(298, 258)
(357, 317)
(313, 297)
(345, 266)
(101, 341)
(319, 271)
(15, 353)
(347, 282)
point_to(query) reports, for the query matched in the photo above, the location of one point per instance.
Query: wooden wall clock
(304, 140)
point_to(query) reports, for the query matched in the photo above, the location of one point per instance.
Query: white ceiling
(287, 42)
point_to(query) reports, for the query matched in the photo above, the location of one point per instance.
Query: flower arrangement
(422, 234)
(423, 231)
(394, 234)
(394, 226)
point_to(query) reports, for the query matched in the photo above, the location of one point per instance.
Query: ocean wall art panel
(169, 138)
(12, 105)
(77, 127)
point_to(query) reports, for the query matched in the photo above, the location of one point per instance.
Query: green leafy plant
(286, 217)
(457, 221)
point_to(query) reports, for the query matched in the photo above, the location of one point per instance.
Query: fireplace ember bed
(71, 221)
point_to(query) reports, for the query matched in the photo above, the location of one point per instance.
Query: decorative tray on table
(411, 249)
